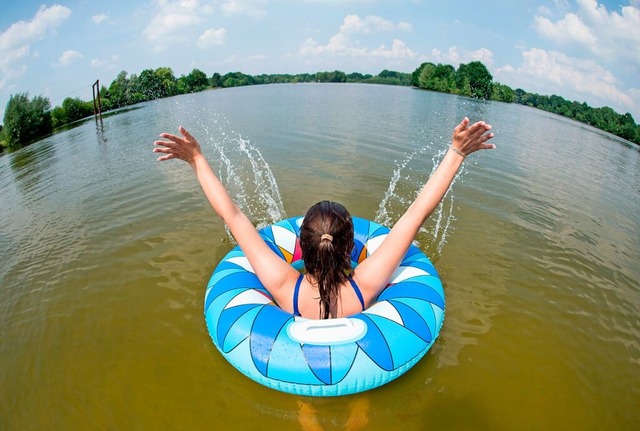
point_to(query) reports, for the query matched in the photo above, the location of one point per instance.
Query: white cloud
(24, 33)
(207, 9)
(454, 57)
(253, 8)
(177, 22)
(338, 44)
(483, 55)
(189, 4)
(506, 69)
(185, 4)
(611, 36)
(99, 19)
(68, 57)
(340, 2)
(101, 63)
(342, 43)
(211, 37)
(167, 26)
(16, 41)
(398, 50)
(569, 29)
(551, 72)
(634, 93)
(370, 24)
(543, 10)
(234, 59)
(10, 62)
(607, 41)
(174, 22)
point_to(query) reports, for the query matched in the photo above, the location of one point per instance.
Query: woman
(329, 288)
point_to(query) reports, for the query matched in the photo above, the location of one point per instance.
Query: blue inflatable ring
(323, 357)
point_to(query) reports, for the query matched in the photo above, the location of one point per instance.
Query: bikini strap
(296, 291)
(357, 290)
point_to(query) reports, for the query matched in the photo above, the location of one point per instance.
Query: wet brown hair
(326, 240)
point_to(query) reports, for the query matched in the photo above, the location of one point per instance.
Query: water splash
(252, 185)
(406, 182)
(244, 171)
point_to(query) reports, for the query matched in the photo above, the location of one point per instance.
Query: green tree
(420, 78)
(502, 93)
(305, 77)
(387, 77)
(216, 80)
(119, 90)
(474, 78)
(355, 77)
(75, 109)
(105, 99)
(72, 109)
(149, 85)
(169, 83)
(443, 79)
(26, 120)
(196, 80)
(135, 91)
(335, 76)
(237, 79)
(58, 117)
(628, 128)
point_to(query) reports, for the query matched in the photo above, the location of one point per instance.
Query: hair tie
(327, 237)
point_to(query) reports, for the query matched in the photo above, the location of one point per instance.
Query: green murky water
(105, 255)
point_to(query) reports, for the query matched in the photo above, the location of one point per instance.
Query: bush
(26, 120)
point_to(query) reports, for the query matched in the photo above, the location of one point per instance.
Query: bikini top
(296, 291)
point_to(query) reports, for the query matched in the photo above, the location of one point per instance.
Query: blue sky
(583, 50)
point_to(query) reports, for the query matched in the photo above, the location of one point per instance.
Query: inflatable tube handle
(327, 332)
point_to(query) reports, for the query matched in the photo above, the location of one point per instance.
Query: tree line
(29, 119)
(474, 80)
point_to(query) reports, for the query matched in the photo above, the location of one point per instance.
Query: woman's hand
(468, 139)
(183, 147)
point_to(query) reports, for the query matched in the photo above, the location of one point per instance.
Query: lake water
(105, 255)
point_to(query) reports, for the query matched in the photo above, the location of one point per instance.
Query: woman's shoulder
(284, 294)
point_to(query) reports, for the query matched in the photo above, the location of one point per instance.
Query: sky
(584, 50)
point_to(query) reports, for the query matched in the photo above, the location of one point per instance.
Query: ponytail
(326, 240)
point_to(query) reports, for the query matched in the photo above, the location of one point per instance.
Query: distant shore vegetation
(27, 120)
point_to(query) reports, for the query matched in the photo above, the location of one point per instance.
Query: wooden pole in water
(97, 107)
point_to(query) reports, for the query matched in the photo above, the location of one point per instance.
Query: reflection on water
(106, 253)
(29, 163)
(356, 408)
(101, 137)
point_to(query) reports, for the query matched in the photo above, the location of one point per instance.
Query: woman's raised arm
(374, 273)
(273, 272)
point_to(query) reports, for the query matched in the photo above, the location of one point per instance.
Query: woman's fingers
(171, 150)
(172, 138)
(184, 147)
(185, 133)
(162, 149)
(471, 138)
(478, 132)
(167, 157)
(167, 144)
(478, 129)
(462, 126)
